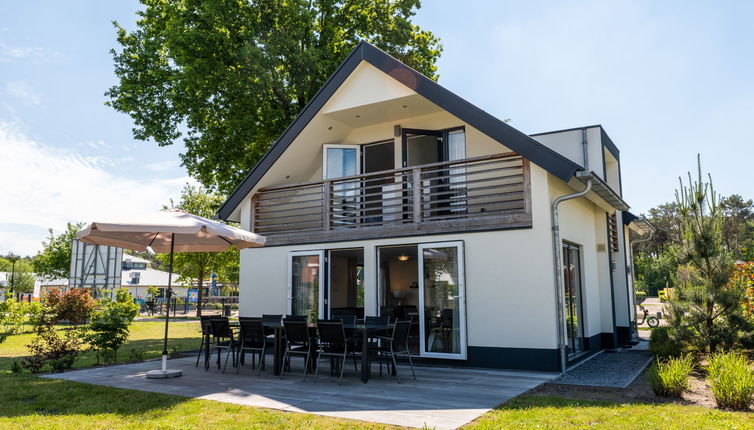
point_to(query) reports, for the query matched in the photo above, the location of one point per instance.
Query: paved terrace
(443, 398)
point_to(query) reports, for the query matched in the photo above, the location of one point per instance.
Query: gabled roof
(511, 138)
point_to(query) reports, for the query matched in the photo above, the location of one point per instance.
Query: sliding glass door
(573, 298)
(305, 284)
(442, 300)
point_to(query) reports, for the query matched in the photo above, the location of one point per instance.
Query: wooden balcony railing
(482, 193)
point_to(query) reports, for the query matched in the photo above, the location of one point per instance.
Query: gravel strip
(608, 369)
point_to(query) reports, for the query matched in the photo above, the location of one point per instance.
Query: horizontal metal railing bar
(393, 171)
(479, 205)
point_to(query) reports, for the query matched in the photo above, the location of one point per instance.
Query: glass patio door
(305, 280)
(573, 298)
(442, 304)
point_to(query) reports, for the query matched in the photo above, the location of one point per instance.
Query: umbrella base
(163, 374)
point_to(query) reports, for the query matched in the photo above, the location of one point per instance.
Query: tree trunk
(200, 295)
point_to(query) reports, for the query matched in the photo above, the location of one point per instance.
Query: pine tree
(706, 309)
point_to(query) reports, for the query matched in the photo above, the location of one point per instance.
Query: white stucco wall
(510, 299)
(583, 223)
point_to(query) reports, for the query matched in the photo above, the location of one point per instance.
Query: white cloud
(44, 187)
(10, 54)
(24, 92)
(161, 166)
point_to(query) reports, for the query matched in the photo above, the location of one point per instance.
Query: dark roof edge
(553, 162)
(628, 217)
(291, 132)
(566, 129)
(606, 141)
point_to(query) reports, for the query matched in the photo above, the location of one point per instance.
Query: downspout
(558, 263)
(584, 149)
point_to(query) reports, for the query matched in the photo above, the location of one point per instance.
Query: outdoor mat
(607, 369)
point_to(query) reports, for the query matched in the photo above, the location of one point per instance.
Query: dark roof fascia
(506, 135)
(608, 143)
(292, 131)
(555, 163)
(628, 217)
(565, 130)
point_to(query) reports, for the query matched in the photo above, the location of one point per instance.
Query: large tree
(198, 266)
(227, 76)
(54, 262)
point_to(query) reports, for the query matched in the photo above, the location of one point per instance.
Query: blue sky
(666, 79)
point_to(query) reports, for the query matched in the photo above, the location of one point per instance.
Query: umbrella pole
(167, 305)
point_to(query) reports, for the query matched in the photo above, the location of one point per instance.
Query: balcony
(474, 194)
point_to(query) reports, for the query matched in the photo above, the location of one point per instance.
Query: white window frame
(322, 263)
(461, 300)
(340, 146)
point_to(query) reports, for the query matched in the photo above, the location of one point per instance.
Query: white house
(391, 195)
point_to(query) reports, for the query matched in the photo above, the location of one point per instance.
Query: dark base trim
(624, 335)
(534, 359)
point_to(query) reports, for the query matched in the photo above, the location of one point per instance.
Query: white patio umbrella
(168, 231)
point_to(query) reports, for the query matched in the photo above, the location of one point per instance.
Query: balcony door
(442, 300)
(306, 276)
(340, 161)
(443, 187)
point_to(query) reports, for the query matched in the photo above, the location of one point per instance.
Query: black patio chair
(303, 318)
(298, 341)
(223, 338)
(252, 338)
(206, 337)
(396, 343)
(380, 320)
(333, 344)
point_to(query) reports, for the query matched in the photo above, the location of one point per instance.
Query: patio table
(367, 331)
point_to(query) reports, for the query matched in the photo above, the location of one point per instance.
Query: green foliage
(670, 378)
(153, 292)
(109, 325)
(662, 343)
(51, 348)
(707, 312)
(234, 74)
(655, 272)
(15, 315)
(731, 379)
(20, 277)
(54, 262)
(74, 305)
(640, 296)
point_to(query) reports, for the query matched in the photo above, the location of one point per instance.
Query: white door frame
(461, 300)
(325, 147)
(319, 253)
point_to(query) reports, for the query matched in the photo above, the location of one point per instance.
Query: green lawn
(30, 402)
(145, 337)
(537, 412)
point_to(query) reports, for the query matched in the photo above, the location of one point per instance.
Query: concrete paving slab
(441, 398)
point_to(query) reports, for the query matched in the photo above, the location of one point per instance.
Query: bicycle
(651, 320)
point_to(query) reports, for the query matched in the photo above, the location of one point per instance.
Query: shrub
(731, 380)
(662, 344)
(74, 305)
(670, 378)
(640, 296)
(50, 348)
(109, 325)
(15, 315)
